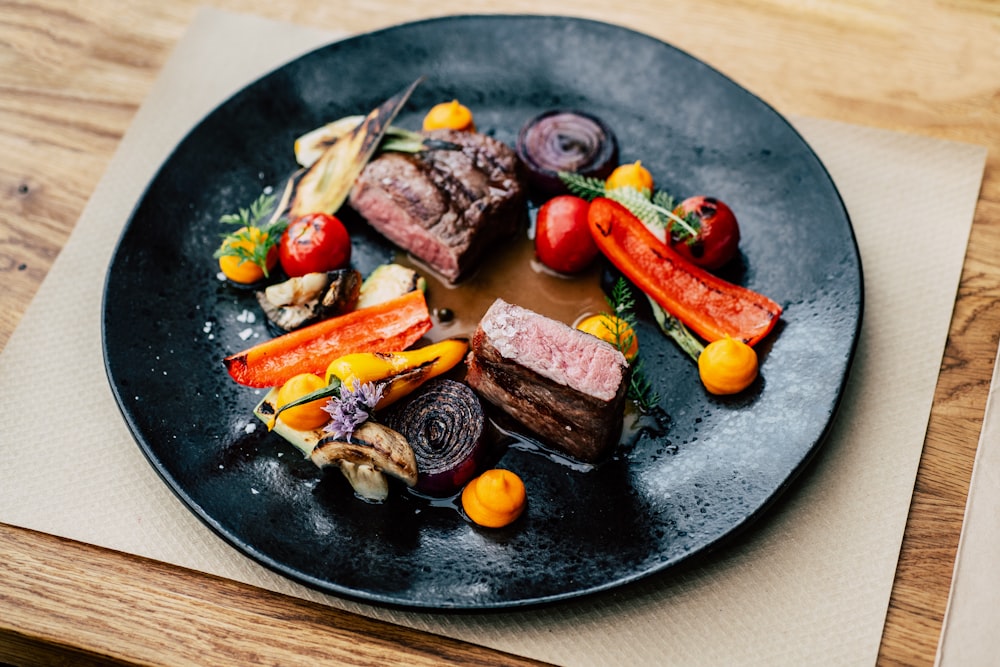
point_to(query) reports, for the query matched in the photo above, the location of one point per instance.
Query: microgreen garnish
(622, 328)
(655, 212)
(252, 241)
(352, 408)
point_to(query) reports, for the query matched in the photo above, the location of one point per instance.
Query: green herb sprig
(622, 328)
(654, 212)
(247, 244)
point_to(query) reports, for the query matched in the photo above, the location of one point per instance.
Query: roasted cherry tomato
(315, 242)
(562, 236)
(718, 235)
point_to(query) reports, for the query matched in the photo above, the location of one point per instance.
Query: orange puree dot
(449, 116)
(495, 498)
(727, 366)
(633, 174)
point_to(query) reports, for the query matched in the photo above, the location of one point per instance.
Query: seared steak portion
(565, 385)
(444, 206)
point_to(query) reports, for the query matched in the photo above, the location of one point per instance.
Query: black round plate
(168, 322)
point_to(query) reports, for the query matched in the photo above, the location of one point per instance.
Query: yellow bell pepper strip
(395, 373)
(399, 373)
(710, 306)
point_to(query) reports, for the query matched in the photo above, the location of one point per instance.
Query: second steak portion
(564, 385)
(444, 206)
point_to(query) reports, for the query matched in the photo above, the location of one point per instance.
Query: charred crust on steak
(445, 207)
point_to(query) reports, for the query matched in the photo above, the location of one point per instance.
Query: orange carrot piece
(391, 326)
(710, 306)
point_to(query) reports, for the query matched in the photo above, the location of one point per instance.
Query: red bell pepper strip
(710, 306)
(385, 327)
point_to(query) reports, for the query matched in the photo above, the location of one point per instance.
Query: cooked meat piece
(444, 206)
(564, 385)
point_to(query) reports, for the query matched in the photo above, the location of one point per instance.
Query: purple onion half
(562, 140)
(445, 426)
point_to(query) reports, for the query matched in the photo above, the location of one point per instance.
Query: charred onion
(445, 426)
(565, 141)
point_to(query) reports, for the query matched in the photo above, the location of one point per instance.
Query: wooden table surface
(72, 77)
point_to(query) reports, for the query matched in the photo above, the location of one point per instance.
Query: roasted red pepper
(708, 305)
(385, 327)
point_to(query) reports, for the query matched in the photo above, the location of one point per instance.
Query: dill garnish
(252, 242)
(656, 212)
(622, 327)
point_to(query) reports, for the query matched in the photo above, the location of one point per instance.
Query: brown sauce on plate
(513, 274)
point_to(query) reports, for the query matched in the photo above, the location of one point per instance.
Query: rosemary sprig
(586, 187)
(622, 328)
(251, 241)
(656, 212)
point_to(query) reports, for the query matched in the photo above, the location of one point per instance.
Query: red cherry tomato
(562, 236)
(718, 235)
(314, 242)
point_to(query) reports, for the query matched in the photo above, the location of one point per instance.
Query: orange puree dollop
(495, 498)
(727, 366)
(449, 116)
(634, 175)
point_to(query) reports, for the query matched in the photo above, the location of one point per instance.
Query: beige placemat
(810, 585)
(969, 635)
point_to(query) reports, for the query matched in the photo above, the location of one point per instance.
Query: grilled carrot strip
(385, 327)
(710, 306)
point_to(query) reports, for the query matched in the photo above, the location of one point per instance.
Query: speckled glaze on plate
(665, 498)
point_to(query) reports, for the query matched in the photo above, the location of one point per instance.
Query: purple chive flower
(369, 393)
(354, 405)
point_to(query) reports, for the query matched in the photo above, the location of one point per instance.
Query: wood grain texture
(173, 617)
(73, 74)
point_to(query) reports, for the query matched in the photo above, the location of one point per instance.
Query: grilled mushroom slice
(303, 300)
(374, 450)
